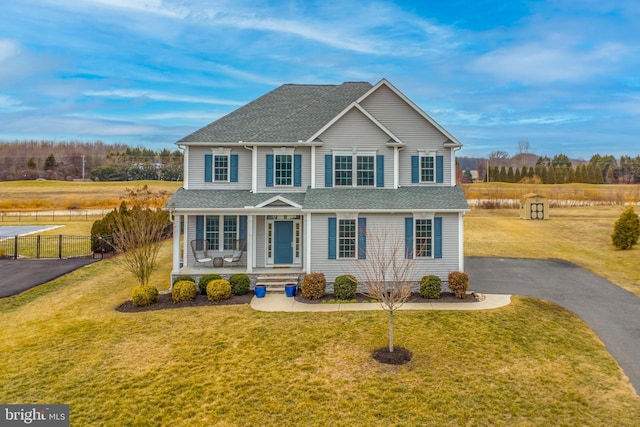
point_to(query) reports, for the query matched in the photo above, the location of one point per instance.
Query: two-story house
(304, 175)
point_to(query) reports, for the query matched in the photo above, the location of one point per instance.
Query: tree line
(69, 160)
(559, 169)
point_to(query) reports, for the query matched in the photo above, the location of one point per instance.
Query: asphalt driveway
(19, 275)
(612, 312)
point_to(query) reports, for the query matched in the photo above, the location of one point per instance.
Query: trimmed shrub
(142, 296)
(313, 285)
(218, 290)
(204, 281)
(345, 287)
(458, 283)
(181, 278)
(430, 287)
(626, 230)
(240, 283)
(184, 290)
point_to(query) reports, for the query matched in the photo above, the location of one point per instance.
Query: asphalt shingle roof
(289, 113)
(323, 199)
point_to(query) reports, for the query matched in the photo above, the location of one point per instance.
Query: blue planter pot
(260, 291)
(290, 290)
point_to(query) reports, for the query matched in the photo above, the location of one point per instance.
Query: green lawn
(531, 363)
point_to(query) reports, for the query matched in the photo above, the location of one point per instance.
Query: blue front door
(283, 248)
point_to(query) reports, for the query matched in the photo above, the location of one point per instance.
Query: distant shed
(534, 206)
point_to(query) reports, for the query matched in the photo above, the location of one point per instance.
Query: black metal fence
(56, 246)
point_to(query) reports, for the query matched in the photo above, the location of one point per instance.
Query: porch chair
(200, 254)
(236, 256)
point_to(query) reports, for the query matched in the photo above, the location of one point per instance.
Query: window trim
(424, 155)
(422, 216)
(284, 151)
(218, 244)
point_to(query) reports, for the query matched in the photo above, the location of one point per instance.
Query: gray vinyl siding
(262, 171)
(393, 227)
(196, 170)
(416, 132)
(354, 131)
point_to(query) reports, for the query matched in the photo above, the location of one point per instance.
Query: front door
(283, 242)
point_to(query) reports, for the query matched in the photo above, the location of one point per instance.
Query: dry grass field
(31, 195)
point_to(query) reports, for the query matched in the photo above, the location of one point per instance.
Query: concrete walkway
(280, 302)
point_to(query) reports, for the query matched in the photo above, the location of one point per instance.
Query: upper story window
(221, 167)
(364, 171)
(283, 169)
(427, 168)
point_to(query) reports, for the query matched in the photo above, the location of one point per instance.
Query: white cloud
(158, 96)
(158, 7)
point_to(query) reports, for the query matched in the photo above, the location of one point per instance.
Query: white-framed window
(423, 231)
(427, 168)
(283, 169)
(362, 165)
(347, 238)
(221, 239)
(221, 164)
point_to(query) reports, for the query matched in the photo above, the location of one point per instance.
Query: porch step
(277, 282)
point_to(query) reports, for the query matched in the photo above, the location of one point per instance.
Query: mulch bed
(400, 355)
(165, 301)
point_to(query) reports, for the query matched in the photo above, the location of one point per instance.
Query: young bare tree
(138, 234)
(386, 272)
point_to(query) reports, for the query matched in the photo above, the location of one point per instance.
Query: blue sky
(563, 75)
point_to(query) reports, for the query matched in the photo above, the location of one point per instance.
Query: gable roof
(289, 113)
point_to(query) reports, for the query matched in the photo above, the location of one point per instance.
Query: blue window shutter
(408, 237)
(297, 170)
(269, 180)
(437, 229)
(199, 227)
(380, 170)
(332, 238)
(208, 161)
(415, 169)
(233, 174)
(242, 232)
(362, 238)
(328, 170)
(439, 169)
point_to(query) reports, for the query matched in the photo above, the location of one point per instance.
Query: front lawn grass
(530, 363)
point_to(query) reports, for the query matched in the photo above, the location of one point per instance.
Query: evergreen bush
(626, 230)
(142, 296)
(240, 283)
(204, 281)
(345, 287)
(218, 290)
(430, 287)
(184, 290)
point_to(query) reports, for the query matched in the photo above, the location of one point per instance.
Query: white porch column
(185, 245)
(461, 241)
(307, 243)
(251, 242)
(176, 243)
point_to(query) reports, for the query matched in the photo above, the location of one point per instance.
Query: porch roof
(405, 198)
(434, 198)
(225, 199)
